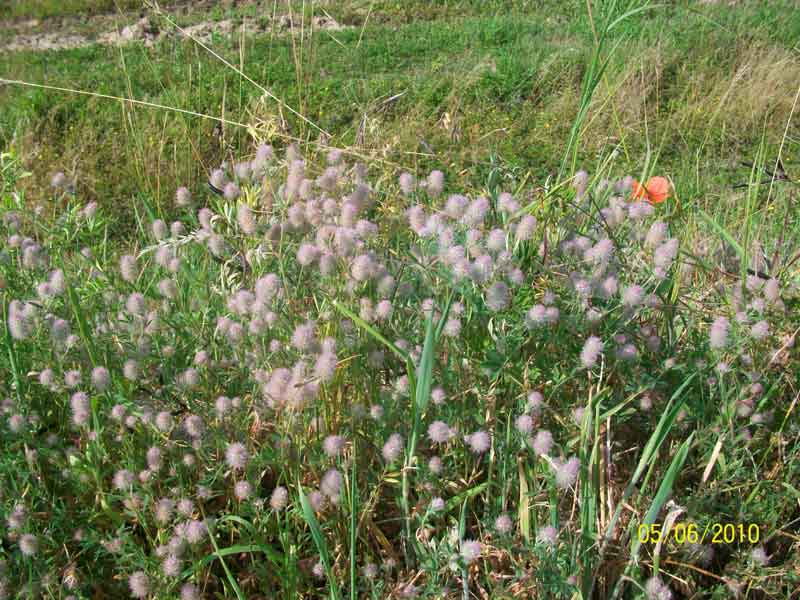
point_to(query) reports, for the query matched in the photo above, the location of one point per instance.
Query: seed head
(236, 456)
(478, 442)
(183, 197)
(164, 421)
(136, 304)
(333, 445)
(154, 458)
(189, 591)
(81, 408)
(128, 268)
(542, 442)
(665, 254)
(437, 504)
(28, 544)
(759, 330)
(435, 465)
(600, 253)
(407, 183)
(139, 584)
(547, 535)
(59, 181)
(772, 291)
(100, 378)
(503, 524)
(304, 339)
(393, 448)
(476, 212)
(718, 334)
(470, 550)
(362, 268)
(506, 204)
(592, 349)
(498, 297)
(307, 254)
(123, 480)
(524, 424)
(656, 234)
(655, 589)
(439, 432)
(435, 184)
(242, 490)
(196, 531)
(72, 378)
(194, 426)
(163, 510)
(331, 484)
(159, 229)
(632, 296)
(567, 473)
(535, 401)
(246, 220)
(279, 499)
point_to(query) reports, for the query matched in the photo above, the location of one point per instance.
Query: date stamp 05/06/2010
(691, 533)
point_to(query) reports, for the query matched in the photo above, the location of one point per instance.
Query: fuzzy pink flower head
(506, 203)
(592, 349)
(439, 432)
(393, 448)
(503, 524)
(242, 490)
(542, 442)
(547, 535)
(407, 183)
(279, 498)
(139, 584)
(655, 589)
(236, 456)
(331, 484)
(718, 334)
(479, 442)
(524, 424)
(498, 297)
(189, 591)
(567, 473)
(28, 544)
(470, 550)
(333, 445)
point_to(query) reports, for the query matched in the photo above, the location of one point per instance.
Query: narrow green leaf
(371, 330)
(792, 490)
(524, 510)
(274, 556)
(723, 232)
(83, 326)
(229, 576)
(661, 497)
(319, 541)
(353, 523)
(466, 495)
(425, 371)
(653, 444)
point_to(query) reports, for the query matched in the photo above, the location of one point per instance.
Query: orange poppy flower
(655, 191)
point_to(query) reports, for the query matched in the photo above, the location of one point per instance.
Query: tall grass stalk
(610, 15)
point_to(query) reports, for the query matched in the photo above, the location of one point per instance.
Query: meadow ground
(463, 356)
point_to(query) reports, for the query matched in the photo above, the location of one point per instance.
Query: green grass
(473, 88)
(43, 9)
(490, 92)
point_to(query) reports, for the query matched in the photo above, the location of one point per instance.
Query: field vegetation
(451, 300)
